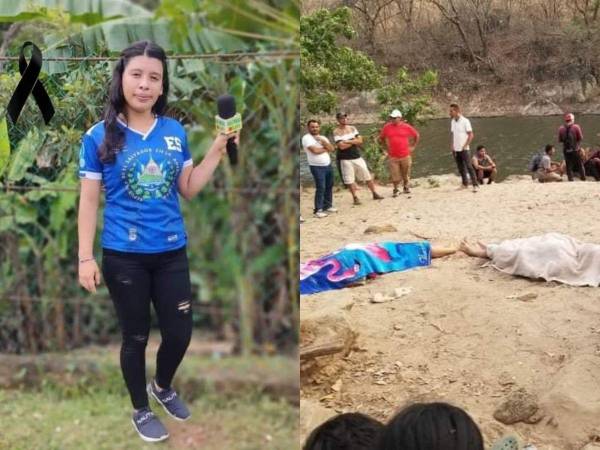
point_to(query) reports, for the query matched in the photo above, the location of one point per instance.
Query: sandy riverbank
(465, 333)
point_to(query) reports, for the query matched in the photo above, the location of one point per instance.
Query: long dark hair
(431, 426)
(114, 137)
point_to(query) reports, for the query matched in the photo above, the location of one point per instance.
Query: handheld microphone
(227, 121)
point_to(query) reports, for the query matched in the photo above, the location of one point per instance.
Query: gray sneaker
(169, 400)
(148, 426)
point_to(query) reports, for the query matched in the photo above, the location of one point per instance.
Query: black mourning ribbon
(29, 84)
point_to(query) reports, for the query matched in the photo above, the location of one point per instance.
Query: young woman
(142, 159)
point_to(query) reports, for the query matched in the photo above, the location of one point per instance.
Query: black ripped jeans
(134, 280)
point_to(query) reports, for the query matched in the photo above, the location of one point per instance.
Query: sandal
(506, 443)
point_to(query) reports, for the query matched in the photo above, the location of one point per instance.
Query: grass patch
(78, 400)
(100, 420)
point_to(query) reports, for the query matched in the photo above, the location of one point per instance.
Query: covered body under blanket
(356, 261)
(552, 257)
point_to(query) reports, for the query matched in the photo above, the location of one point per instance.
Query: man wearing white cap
(401, 139)
(570, 135)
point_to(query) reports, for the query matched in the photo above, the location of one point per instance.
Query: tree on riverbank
(330, 68)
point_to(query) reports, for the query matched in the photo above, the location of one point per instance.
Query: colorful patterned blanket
(357, 261)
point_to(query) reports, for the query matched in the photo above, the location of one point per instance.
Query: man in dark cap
(353, 166)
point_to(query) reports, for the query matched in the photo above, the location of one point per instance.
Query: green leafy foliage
(88, 12)
(328, 67)
(410, 94)
(25, 154)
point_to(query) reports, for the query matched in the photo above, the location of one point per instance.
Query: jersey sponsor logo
(173, 143)
(149, 173)
(133, 234)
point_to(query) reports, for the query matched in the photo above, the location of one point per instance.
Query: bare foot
(478, 250)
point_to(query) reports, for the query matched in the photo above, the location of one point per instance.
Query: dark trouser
(323, 176)
(482, 174)
(134, 280)
(463, 162)
(574, 163)
(592, 167)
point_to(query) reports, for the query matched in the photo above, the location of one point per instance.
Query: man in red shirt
(401, 139)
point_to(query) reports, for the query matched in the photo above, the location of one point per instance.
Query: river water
(510, 140)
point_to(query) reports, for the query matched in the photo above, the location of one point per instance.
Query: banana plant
(89, 12)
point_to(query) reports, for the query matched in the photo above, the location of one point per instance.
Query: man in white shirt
(317, 150)
(461, 134)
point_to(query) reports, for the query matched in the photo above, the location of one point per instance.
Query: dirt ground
(464, 333)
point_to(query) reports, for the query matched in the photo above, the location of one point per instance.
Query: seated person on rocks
(591, 163)
(549, 170)
(484, 166)
(350, 431)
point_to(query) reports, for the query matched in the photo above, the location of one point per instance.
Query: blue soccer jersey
(142, 212)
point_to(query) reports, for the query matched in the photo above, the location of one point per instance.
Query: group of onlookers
(400, 140)
(577, 160)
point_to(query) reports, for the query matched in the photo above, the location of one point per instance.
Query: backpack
(534, 162)
(569, 141)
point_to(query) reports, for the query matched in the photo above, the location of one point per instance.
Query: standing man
(353, 166)
(461, 136)
(484, 165)
(317, 149)
(570, 135)
(401, 139)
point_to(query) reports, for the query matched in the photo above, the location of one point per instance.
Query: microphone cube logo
(173, 143)
(4, 145)
(228, 125)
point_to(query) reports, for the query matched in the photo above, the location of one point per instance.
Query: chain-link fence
(242, 228)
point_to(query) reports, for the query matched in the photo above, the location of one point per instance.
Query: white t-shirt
(459, 129)
(346, 137)
(322, 159)
(545, 163)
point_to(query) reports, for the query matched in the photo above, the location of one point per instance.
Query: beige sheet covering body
(552, 256)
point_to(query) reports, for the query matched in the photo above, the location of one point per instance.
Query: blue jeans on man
(323, 176)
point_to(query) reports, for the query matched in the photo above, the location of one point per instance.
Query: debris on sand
(519, 406)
